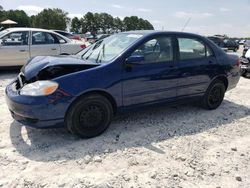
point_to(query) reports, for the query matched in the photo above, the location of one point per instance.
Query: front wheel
(214, 95)
(89, 116)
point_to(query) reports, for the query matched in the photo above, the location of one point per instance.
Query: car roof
(26, 29)
(34, 29)
(151, 32)
(60, 31)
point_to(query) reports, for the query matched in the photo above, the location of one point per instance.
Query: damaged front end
(48, 68)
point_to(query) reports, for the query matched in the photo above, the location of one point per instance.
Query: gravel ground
(180, 146)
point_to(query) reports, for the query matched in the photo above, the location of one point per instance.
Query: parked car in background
(242, 42)
(17, 45)
(225, 44)
(231, 45)
(247, 44)
(246, 47)
(122, 72)
(245, 64)
(219, 42)
(68, 35)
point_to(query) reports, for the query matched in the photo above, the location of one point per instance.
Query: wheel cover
(215, 95)
(91, 116)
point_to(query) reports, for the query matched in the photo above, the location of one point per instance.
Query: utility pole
(184, 27)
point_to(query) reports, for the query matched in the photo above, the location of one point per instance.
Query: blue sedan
(124, 71)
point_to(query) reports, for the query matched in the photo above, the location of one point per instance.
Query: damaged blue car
(125, 71)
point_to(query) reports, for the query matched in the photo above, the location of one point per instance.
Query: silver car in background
(17, 45)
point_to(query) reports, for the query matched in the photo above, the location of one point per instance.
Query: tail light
(83, 46)
(238, 62)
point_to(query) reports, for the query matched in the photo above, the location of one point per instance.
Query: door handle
(22, 50)
(53, 49)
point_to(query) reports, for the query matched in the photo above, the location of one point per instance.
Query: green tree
(2, 15)
(18, 16)
(145, 24)
(84, 28)
(90, 23)
(105, 22)
(51, 19)
(130, 23)
(135, 23)
(75, 25)
(118, 25)
(1, 7)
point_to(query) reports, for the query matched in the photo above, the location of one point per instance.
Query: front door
(153, 79)
(14, 48)
(44, 44)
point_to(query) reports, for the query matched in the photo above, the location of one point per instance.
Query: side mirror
(135, 59)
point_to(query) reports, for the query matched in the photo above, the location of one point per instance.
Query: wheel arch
(107, 95)
(222, 78)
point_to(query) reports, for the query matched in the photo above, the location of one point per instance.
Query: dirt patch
(181, 146)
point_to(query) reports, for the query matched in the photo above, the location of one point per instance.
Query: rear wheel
(89, 116)
(214, 95)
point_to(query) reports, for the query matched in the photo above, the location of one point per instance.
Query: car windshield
(109, 48)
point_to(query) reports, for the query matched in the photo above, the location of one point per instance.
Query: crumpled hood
(49, 67)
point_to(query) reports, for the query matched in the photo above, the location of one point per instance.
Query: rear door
(197, 65)
(14, 49)
(44, 43)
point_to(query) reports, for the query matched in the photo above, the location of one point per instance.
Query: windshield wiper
(96, 45)
(103, 53)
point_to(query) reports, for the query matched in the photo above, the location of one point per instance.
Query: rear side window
(191, 49)
(40, 38)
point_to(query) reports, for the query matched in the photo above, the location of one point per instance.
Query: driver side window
(156, 50)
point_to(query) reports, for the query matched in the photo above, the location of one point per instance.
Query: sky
(208, 17)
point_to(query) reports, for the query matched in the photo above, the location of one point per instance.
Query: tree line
(90, 22)
(105, 23)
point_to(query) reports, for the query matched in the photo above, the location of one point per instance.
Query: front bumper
(38, 112)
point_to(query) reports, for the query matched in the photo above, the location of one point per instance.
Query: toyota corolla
(127, 70)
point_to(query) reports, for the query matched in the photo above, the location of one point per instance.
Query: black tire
(214, 95)
(89, 116)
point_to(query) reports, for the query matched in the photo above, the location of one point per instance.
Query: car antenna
(184, 27)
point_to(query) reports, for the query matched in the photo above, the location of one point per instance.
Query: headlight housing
(39, 88)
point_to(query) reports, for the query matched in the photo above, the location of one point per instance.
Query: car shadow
(135, 129)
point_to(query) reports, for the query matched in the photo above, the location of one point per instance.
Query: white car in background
(17, 45)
